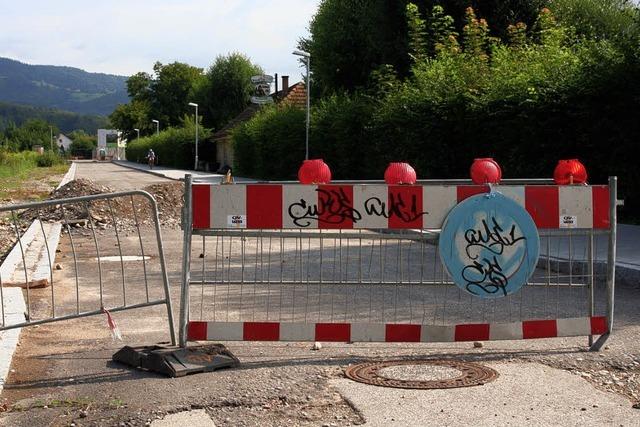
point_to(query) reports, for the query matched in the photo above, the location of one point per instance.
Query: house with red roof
(295, 94)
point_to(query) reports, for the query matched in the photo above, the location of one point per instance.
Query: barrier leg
(611, 261)
(163, 266)
(187, 223)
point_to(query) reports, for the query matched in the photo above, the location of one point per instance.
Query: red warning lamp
(485, 171)
(400, 173)
(314, 171)
(570, 171)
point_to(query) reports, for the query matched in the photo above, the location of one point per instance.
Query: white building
(63, 141)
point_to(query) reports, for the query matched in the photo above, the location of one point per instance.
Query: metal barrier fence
(113, 266)
(360, 262)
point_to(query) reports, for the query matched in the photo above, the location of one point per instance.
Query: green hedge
(174, 147)
(271, 145)
(545, 96)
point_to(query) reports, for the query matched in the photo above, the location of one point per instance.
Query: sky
(126, 36)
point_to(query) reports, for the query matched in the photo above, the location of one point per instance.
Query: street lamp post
(193, 104)
(138, 132)
(307, 63)
(157, 126)
(51, 137)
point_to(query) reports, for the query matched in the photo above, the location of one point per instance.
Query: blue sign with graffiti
(489, 245)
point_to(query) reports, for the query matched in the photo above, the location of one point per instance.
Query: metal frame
(85, 200)
(415, 235)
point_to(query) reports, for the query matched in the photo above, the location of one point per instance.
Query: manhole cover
(421, 374)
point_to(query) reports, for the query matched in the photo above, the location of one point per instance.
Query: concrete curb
(13, 304)
(126, 164)
(69, 176)
(14, 313)
(15, 257)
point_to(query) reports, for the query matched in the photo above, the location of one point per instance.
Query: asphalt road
(116, 177)
(63, 373)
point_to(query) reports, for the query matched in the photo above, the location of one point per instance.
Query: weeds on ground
(18, 171)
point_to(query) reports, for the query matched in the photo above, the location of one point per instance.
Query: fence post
(611, 260)
(187, 222)
(163, 267)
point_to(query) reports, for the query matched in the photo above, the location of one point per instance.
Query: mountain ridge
(66, 121)
(61, 87)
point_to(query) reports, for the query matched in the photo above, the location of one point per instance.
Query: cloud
(124, 37)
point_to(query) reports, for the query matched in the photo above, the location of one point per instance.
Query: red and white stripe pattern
(285, 206)
(372, 332)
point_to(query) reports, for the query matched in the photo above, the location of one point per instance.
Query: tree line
(221, 93)
(38, 132)
(437, 83)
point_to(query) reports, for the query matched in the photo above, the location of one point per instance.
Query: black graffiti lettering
(490, 238)
(375, 206)
(333, 207)
(485, 276)
(396, 207)
(302, 213)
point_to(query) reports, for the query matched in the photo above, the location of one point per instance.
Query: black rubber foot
(176, 361)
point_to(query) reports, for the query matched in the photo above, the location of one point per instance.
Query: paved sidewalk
(525, 394)
(177, 174)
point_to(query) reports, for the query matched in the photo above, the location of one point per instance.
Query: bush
(341, 135)
(545, 95)
(48, 159)
(15, 164)
(174, 147)
(271, 145)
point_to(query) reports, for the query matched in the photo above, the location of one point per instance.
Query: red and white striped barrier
(287, 206)
(370, 332)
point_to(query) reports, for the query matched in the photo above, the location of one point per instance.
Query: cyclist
(151, 158)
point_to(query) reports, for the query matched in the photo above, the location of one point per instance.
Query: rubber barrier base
(176, 361)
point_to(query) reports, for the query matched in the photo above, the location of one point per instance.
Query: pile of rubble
(123, 211)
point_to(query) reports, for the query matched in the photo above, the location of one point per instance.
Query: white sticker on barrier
(568, 221)
(237, 221)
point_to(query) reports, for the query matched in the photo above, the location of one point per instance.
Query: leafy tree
(164, 96)
(351, 38)
(135, 115)
(171, 91)
(82, 142)
(139, 86)
(597, 19)
(226, 88)
(32, 132)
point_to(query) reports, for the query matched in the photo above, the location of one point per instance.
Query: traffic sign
(261, 100)
(262, 79)
(489, 245)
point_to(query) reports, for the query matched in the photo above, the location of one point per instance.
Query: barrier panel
(361, 262)
(113, 257)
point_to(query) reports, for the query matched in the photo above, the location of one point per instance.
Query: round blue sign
(489, 245)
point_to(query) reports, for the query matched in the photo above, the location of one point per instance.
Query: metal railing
(381, 276)
(109, 264)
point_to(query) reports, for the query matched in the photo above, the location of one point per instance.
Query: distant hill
(66, 121)
(64, 88)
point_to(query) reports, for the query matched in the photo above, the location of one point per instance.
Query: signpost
(262, 90)
(490, 245)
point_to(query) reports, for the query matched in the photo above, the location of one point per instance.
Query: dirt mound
(123, 211)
